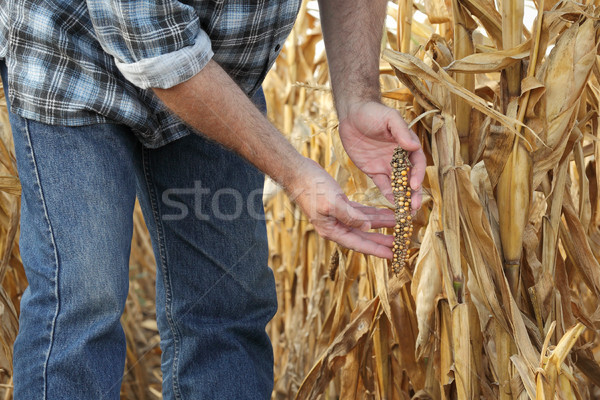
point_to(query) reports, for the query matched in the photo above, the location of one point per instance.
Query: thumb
(404, 137)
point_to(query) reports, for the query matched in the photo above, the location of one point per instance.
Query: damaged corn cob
(401, 189)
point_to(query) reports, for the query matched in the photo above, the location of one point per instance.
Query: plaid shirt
(79, 62)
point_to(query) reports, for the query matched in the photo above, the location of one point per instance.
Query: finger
(405, 137)
(379, 238)
(417, 200)
(350, 216)
(379, 217)
(353, 240)
(374, 212)
(384, 184)
(417, 174)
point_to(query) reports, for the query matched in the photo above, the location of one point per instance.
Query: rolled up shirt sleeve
(155, 43)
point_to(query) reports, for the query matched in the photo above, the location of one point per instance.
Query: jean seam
(56, 262)
(164, 273)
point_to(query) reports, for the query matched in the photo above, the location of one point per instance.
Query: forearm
(352, 32)
(214, 105)
(369, 130)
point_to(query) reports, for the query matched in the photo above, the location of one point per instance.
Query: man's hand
(370, 132)
(337, 218)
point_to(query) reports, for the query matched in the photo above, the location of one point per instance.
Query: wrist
(292, 179)
(345, 105)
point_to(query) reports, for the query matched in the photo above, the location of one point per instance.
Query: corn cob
(403, 229)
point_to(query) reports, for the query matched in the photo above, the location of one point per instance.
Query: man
(98, 90)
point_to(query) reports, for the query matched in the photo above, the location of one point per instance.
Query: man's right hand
(337, 218)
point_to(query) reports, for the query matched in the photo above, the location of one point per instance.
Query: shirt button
(277, 47)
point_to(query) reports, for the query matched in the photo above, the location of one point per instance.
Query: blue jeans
(214, 291)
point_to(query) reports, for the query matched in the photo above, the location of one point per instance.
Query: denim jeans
(214, 291)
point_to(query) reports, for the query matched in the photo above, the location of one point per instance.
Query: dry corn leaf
(578, 248)
(436, 11)
(485, 11)
(526, 375)
(484, 259)
(492, 61)
(10, 185)
(564, 76)
(8, 329)
(333, 358)
(411, 65)
(426, 286)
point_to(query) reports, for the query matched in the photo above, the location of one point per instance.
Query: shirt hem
(160, 141)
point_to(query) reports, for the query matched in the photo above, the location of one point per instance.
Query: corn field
(499, 296)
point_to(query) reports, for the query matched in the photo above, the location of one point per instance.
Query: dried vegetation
(499, 295)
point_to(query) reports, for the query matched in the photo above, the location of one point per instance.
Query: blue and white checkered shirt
(78, 62)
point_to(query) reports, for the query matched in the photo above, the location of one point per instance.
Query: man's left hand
(370, 131)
